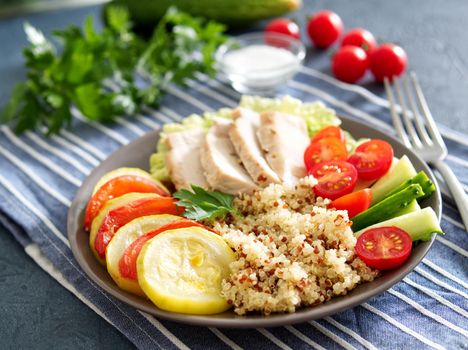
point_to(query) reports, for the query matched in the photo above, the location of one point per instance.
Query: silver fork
(421, 134)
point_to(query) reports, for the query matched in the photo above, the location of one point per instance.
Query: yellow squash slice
(181, 271)
(125, 236)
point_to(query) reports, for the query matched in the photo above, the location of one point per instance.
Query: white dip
(260, 65)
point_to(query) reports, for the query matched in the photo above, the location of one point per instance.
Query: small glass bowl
(260, 78)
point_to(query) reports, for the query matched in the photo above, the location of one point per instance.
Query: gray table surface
(36, 312)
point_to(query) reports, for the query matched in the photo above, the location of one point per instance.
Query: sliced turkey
(284, 138)
(222, 167)
(183, 158)
(243, 134)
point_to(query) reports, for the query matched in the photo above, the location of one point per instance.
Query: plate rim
(337, 304)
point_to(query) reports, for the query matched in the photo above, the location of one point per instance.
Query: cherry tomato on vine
(372, 159)
(335, 178)
(324, 28)
(329, 148)
(384, 248)
(388, 61)
(284, 26)
(349, 64)
(361, 38)
(354, 203)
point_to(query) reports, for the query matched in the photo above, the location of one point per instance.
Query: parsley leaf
(100, 73)
(203, 204)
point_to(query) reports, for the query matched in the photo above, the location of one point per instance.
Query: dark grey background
(36, 312)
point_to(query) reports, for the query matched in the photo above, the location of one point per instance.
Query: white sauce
(259, 57)
(260, 65)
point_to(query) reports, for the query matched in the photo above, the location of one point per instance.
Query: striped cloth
(39, 177)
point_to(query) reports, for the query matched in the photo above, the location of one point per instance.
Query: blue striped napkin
(39, 178)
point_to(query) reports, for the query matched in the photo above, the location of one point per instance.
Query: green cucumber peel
(413, 206)
(423, 180)
(388, 208)
(400, 172)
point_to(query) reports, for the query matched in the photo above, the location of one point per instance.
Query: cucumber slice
(420, 225)
(362, 184)
(421, 179)
(402, 171)
(389, 208)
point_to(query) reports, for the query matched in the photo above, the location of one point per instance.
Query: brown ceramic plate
(136, 154)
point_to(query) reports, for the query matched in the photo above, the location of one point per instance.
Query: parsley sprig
(203, 204)
(80, 73)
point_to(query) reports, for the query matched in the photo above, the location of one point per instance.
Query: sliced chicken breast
(284, 138)
(183, 159)
(243, 134)
(223, 168)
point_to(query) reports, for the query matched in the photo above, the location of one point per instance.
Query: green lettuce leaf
(316, 114)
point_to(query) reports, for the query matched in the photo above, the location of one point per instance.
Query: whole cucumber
(231, 12)
(390, 207)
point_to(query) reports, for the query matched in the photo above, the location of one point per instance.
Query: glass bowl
(259, 63)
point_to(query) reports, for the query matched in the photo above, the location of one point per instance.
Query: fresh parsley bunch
(98, 72)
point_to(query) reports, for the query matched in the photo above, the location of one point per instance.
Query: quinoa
(292, 250)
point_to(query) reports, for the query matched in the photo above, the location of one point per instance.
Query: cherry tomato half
(335, 179)
(329, 131)
(324, 28)
(118, 217)
(350, 63)
(354, 203)
(384, 248)
(372, 159)
(128, 261)
(361, 38)
(388, 61)
(284, 26)
(117, 187)
(329, 148)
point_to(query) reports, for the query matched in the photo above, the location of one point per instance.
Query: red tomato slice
(117, 187)
(329, 148)
(335, 179)
(372, 159)
(329, 131)
(384, 248)
(354, 203)
(128, 261)
(118, 217)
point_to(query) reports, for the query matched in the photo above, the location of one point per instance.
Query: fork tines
(418, 129)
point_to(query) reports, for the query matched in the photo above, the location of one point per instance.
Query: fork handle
(454, 185)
